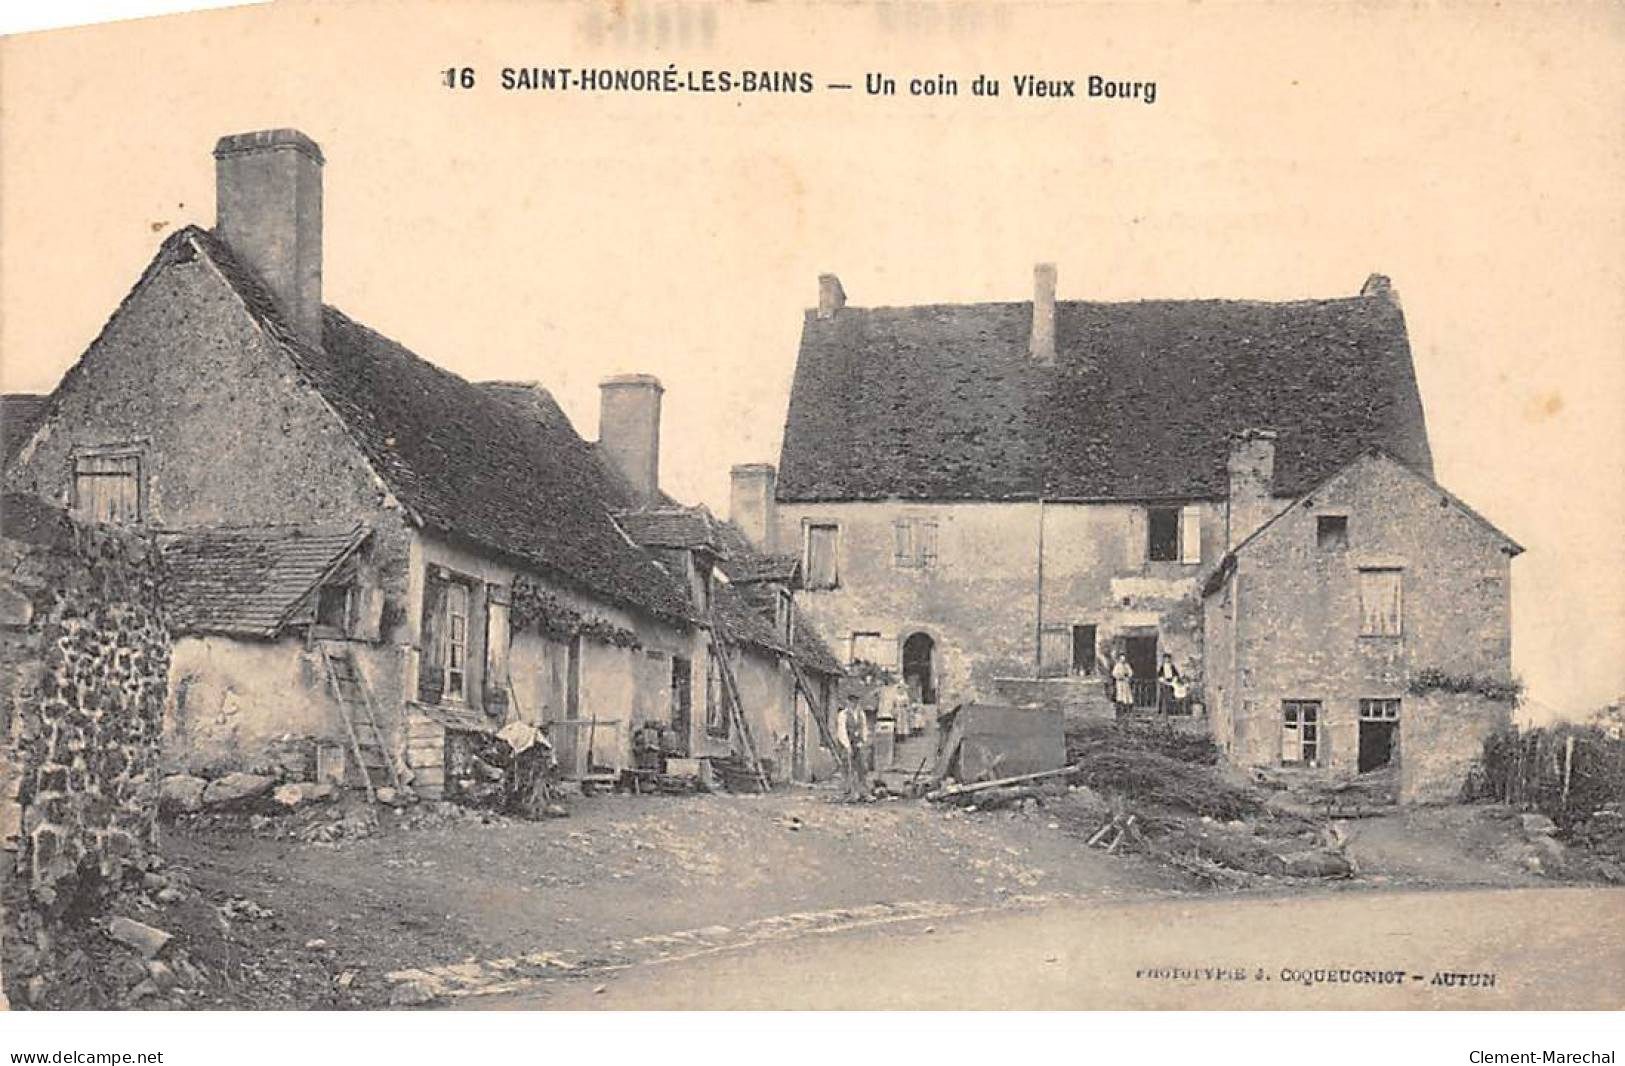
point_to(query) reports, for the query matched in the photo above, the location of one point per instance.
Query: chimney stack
(831, 297)
(1252, 484)
(1042, 346)
(629, 429)
(752, 505)
(268, 210)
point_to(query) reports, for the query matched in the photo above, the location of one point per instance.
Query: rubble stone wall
(85, 673)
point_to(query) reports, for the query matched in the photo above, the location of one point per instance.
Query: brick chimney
(1252, 479)
(268, 209)
(1042, 346)
(629, 429)
(1378, 287)
(752, 505)
(831, 297)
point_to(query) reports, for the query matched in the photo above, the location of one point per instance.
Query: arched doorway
(919, 674)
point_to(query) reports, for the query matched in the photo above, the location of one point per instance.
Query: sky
(1472, 153)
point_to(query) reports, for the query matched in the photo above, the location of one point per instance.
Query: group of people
(1172, 689)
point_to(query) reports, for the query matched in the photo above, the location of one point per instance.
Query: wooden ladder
(360, 718)
(736, 708)
(836, 750)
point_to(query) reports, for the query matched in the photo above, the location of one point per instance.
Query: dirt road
(1487, 949)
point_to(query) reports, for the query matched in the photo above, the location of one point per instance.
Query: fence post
(1568, 767)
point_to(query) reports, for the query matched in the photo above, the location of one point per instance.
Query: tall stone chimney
(831, 297)
(1042, 346)
(1252, 480)
(752, 505)
(268, 209)
(629, 429)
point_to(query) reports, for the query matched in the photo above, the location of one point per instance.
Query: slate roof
(744, 622)
(943, 402)
(473, 463)
(20, 415)
(249, 581)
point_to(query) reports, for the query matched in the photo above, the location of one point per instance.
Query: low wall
(1441, 735)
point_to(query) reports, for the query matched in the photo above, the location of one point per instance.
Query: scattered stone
(316, 944)
(34, 990)
(143, 938)
(345, 980)
(144, 990)
(1317, 863)
(181, 794)
(412, 993)
(1552, 852)
(236, 788)
(162, 977)
(387, 795)
(169, 895)
(245, 909)
(600, 990)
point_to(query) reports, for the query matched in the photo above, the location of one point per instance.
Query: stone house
(1365, 626)
(991, 499)
(349, 524)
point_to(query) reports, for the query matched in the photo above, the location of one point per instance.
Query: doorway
(918, 652)
(1379, 729)
(682, 699)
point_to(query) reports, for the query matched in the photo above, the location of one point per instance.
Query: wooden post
(1568, 766)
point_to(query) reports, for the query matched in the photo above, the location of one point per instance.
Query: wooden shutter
(498, 636)
(926, 541)
(902, 543)
(1381, 603)
(1190, 534)
(1056, 651)
(432, 642)
(821, 567)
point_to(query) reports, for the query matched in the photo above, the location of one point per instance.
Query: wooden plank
(961, 790)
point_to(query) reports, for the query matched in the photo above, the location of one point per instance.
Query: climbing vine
(1432, 679)
(535, 607)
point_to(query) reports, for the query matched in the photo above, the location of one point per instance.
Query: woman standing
(1122, 687)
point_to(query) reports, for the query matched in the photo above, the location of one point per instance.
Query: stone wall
(979, 602)
(86, 661)
(1287, 626)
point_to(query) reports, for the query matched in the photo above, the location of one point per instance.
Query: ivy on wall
(1432, 679)
(538, 608)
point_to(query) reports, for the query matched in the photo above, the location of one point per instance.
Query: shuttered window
(1055, 651)
(1381, 602)
(822, 569)
(873, 648)
(914, 543)
(107, 488)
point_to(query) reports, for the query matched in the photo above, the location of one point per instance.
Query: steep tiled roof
(744, 564)
(20, 413)
(248, 581)
(480, 464)
(812, 650)
(943, 402)
(745, 622)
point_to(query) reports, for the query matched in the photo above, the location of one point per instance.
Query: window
(333, 607)
(1163, 534)
(107, 487)
(914, 543)
(1332, 532)
(1381, 602)
(821, 567)
(870, 648)
(1174, 534)
(456, 641)
(1300, 732)
(1083, 650)
(1379, 710)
